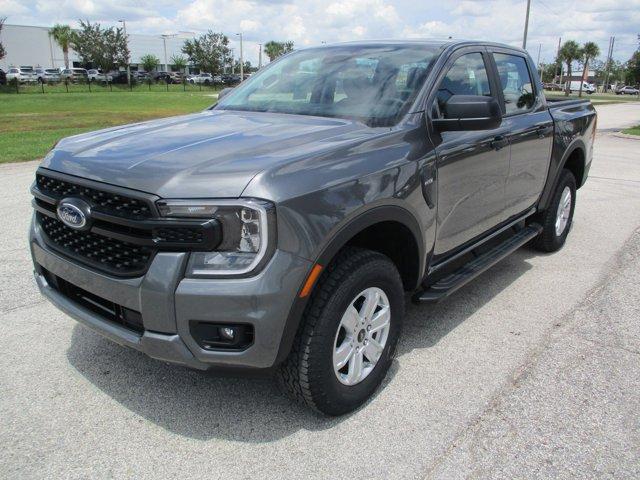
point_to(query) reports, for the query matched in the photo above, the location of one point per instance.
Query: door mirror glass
(469, 112)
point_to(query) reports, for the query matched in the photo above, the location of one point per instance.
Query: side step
(449, 284)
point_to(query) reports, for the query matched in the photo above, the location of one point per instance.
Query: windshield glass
(375, 84)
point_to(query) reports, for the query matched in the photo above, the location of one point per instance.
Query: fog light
(228, 333)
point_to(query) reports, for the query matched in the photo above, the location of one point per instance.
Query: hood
(214, 153)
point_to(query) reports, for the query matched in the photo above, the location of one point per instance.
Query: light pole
(164, 41)
(526, 26)
(241, 59)
(124, 28)
(259, 56)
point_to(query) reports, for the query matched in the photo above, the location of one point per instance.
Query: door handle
(499, 142)
(542, 131)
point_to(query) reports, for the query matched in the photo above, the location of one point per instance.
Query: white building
(30, 45)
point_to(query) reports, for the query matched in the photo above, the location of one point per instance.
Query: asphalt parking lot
(531, 371)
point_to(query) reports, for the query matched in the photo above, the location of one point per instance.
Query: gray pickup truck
(284, 228)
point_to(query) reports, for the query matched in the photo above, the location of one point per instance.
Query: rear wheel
(557, 219)
(348, 334)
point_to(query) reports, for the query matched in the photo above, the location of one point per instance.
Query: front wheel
(349, 331)
(557, 219)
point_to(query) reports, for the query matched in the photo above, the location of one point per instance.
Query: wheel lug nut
(368, 328)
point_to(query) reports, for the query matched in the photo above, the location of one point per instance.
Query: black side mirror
(469, 112)
(224, 92)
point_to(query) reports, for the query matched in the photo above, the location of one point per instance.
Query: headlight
(248, 234)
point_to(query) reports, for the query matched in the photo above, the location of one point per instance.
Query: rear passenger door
(530, 130)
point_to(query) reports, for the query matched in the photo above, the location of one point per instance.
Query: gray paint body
(325, 176)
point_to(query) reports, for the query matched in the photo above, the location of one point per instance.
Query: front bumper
(168, 303)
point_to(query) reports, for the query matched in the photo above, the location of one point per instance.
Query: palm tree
(589, 50)
(275, 49)
(569, 53)
(62, 34)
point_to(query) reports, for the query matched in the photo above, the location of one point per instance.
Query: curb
(626, 135)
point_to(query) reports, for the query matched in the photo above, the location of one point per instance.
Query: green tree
(569, 53)
(208, 51)
(63, 35)
(3, 52)
(275, 49)
(589, 50)
(103, 48)
(632, 69)
(149, 62)
(179, 62)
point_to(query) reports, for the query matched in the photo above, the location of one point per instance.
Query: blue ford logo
(73, 213)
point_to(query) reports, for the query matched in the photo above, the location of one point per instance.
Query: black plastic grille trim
(103, 201)
(104, 253)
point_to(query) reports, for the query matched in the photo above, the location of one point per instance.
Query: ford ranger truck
(283, 228)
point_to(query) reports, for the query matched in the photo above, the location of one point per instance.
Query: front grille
(105, 253)
(123, 233)
(102, 201)
(110, 311)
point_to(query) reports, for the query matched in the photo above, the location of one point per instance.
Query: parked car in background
(120, 77)
(3, 77)
(586, 87)
(230, 79)
(47, 75)
(168, 77)
(97, 75)
(554, 87)
(21, 75)
(627, 90)
(141, 75)
(202, 78)
(74, 75)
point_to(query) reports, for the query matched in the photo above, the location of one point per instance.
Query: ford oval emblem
(72, 215)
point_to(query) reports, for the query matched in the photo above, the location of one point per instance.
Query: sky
(312, 22)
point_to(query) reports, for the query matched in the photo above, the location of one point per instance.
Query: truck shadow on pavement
(250, 408)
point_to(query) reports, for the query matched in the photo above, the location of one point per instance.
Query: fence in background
(13, 87)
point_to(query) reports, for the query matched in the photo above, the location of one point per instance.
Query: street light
(124, 28)
(164, 41)
(259, 56)
(241, 59)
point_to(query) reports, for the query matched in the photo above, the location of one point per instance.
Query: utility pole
(558, 59)
(124, 28)
(526, 26)
(259, 56)
(241, 59)
(538, 64)
(609, 55)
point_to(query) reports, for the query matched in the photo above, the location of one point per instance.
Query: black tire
(307, 375)
(549, 240)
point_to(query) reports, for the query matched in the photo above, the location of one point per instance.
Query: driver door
(472, 166)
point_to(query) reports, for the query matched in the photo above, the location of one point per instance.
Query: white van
(586, 87)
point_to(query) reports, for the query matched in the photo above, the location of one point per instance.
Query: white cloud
(309, 22)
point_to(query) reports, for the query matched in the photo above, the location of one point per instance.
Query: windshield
(375, 84)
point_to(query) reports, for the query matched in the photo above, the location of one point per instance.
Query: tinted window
(374, 84)
(515, 82)
(467, 76)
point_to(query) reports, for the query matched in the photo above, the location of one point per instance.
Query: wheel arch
(574, 158)
(368, 230)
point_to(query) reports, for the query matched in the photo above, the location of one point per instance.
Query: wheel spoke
(371, 299)
(355, 368)
(373, 350)
(380, 320)
(350, 319)
(343, 354)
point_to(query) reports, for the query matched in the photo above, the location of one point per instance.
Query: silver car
(21, 75)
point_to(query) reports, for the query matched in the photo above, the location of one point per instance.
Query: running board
(449, 284)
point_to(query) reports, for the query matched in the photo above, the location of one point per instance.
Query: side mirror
(224, 92)
(469, 112)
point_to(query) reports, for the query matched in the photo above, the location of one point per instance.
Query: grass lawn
(633, 130)
(596, 98)
(31, 123)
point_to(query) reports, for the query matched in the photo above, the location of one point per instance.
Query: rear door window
(515, 82)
